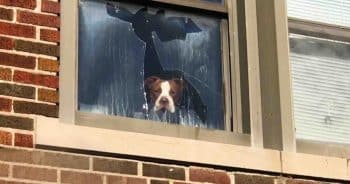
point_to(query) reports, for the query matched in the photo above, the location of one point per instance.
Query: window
(319, 56)
(156, 67)
(129, 55)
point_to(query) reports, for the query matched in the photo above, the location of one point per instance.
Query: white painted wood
(285, 78)
(314, 165)
(226, 75)
(235, 66)
(217, 7)
(51, 132)
(68, 55)
(254, 74)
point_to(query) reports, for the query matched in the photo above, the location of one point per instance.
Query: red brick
(6, 43)
(48, 95)
(37, 48)
(38, 19)
(34, 173)
(6, 14)
(44, 158)
(49, 35)
(5, 74)
(48, 65)
(4, 170)
(14, 182)
(5, 138)
(17, 60)
(50, 7)
(115, 166)
(29, 4)
(35, 108)
(125, 180)
(209, 175)
(162, 171)
(5, 104)
(17, 90)
(17, 30)
(250, 178)
(80, 178)
(159, 182)
(16, 122)
(36, 79)
(24, 140)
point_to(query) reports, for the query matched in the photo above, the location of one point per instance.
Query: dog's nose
(164, 100)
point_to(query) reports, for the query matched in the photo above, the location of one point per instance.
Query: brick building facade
(29, 81)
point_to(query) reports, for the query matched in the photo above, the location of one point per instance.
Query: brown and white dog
(165, 95)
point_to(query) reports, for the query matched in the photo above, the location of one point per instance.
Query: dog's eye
(172, 92)
(157, 91)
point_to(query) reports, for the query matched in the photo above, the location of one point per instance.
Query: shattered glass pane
(150, 63)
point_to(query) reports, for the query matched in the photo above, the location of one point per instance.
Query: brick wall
(29, 51)
(36, 166)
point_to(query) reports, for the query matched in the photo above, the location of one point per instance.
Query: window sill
(51, 132)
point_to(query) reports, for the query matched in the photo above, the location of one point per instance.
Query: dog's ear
(180, 83)
(150, 80)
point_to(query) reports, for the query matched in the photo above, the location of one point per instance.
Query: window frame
(324, 31)
(68, 87)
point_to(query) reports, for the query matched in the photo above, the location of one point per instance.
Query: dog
(164, 95)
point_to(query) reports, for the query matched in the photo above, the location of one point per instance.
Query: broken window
(150, 63)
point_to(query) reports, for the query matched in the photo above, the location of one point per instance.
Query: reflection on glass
(150, 63)
(321, 89)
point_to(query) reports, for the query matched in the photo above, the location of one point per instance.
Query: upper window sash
(318, 29)
(199, 4)
(334, 12)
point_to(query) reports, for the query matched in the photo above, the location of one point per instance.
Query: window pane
(130, 55)
(321, 88)
(326, 11)
(215, 1)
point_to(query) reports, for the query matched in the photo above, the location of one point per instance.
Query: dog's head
(164, 94)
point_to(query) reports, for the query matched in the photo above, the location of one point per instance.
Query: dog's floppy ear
(180, 82)
(150, 80)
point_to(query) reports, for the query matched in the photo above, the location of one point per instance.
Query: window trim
(274, 80)
(318, 29)
(200, 4)
(52, 134)
(120, 123)
(68, 87)
(67, 97)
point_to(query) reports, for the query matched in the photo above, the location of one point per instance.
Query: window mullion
(284, 73)
(235, 66)
(254, 74)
